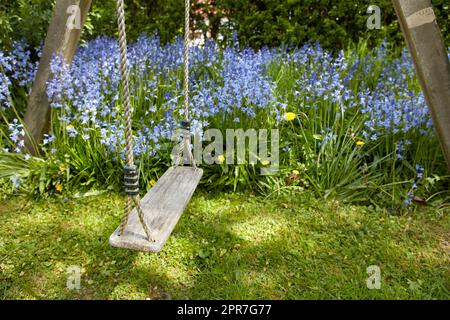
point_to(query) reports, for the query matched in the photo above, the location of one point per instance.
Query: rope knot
(186, 125)
(131, 180)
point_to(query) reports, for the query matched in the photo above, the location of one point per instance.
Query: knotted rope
(131, 177)
(185, 145)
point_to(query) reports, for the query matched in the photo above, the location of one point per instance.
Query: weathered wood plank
(425, 42)
(162, 207)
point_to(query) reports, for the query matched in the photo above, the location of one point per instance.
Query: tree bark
(429, 54)
(62, 37)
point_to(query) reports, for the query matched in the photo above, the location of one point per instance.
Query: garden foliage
(257, 22)
(353, 125)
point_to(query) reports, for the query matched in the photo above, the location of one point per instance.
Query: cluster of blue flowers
(226, 84)
(393, 105)
(15, 67)
(419, 176)
(16, 134)
(229, 82)
(322, 78)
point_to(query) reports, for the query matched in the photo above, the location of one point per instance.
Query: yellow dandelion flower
(290, 116)
(62, 168)
(221, 158)
(296, 172)
(59, 187)
(360, 143)
(152, 182)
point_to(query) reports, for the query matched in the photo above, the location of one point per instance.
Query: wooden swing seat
(162, 207)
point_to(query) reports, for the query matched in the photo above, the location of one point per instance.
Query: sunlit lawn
(225, 246)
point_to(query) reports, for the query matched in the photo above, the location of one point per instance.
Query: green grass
(225, 246)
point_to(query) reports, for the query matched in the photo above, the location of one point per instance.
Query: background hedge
(335, 23)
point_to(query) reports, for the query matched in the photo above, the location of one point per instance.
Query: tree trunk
(62, 37)
(429, 54)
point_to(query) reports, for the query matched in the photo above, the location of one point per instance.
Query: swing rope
(131, 175)
(131, 178)
(185, 145)
(186, 58)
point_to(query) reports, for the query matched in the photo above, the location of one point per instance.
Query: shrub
(333, 23)
(258, 23)
(24, 19)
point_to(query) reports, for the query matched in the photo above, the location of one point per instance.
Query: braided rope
(187, 7)
(128, 208)
(185, 145)
(124, 72)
